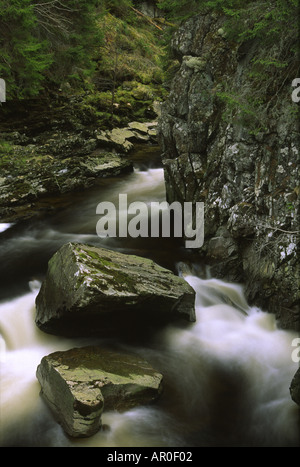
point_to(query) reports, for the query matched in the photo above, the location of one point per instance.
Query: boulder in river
(80, 383)
(90, 291)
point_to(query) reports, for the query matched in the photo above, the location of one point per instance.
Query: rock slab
(90, 291)
(80, 383)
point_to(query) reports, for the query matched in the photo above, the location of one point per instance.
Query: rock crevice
(248, 180)
(79, 384)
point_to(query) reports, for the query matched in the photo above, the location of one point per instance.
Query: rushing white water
(251, 359)
(227, 376)
(4, 227)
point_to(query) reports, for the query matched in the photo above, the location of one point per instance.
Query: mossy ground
(129, 71)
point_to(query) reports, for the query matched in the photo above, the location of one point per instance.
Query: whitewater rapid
(226, 376)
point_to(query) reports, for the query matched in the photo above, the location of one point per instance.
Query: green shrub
(45, 42)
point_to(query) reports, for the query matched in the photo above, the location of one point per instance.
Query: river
(227, 376)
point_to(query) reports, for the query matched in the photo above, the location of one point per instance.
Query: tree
(271, 29)
(45, 40)
(23, 57)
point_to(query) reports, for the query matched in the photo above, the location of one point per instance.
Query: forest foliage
(105, 50)
(122, 58)
(270, 29)
(44, 40)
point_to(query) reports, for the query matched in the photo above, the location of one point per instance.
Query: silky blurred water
(226, 376)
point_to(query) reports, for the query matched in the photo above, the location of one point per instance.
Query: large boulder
(90, 291)
(80, 383)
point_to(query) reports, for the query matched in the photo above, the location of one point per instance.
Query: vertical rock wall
(247, 180)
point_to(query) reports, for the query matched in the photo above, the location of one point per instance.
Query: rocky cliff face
(247, 179)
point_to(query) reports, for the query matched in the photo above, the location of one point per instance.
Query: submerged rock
(95, 291)
(80, 383)
(295, 388)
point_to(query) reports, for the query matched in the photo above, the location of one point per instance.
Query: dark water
(226, 377)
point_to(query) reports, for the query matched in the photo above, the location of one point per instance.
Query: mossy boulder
(95, 291)
(80, 383)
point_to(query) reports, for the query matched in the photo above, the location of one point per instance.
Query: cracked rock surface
(80, 383)
(91, 291)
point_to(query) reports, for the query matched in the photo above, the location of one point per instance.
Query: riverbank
(36, 170)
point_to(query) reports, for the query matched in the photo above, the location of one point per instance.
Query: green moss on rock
(90, 290)
(80, 383)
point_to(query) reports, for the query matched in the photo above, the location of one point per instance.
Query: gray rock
(80, 383)
(222, 246)
(122, 139)
(95, 291)
(248, 180)
(46, 176)
(138, 126)
(119, 138)
(295, 388)
(61, 161)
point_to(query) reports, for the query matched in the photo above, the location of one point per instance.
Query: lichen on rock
(247, 178)
(79, 384)
(96, 291)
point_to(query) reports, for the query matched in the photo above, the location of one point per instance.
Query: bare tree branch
(146, 17)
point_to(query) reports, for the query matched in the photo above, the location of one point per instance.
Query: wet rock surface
(43, 176)
(91, 291)
(295, 388)
(62, 160)
(79, 384)
(248, 181)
